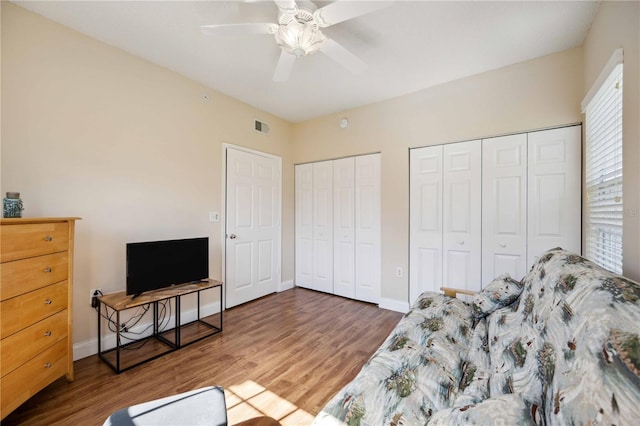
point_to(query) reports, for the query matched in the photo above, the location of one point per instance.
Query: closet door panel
(504, 211)
(425, 217)
(554, 193)
(344, 227)
(323, 226)
(304, 225)
(367, 228)
(462, 242)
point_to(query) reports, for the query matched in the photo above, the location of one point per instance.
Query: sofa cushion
(500, 292)
(415, 372)
(501, 410)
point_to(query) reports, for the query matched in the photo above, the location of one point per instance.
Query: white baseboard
(285, 285)
(394, 305)
(89, 347)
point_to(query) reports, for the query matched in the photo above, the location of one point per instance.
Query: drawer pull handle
(48, 302)
(48, 365)
(47, 333)
(47, 270)
(48, 238)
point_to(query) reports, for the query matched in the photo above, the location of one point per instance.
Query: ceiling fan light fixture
(299, 38)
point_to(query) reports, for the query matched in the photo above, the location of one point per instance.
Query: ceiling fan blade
(342, 56)
(284, 67)
(287, 6)
(238, 29)
(341, 11)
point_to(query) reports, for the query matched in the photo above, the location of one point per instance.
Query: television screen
(156, 264)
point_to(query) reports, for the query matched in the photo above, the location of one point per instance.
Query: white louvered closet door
(344, 234)
(304, 225)
(554, 193)
(462, 244)
(323, 226)
(504, 207)
(425, 220)
(367, 228)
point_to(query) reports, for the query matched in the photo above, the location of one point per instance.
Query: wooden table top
(120, 301)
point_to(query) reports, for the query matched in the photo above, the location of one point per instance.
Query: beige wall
(541, 93)
(616, 25)
(91, 131)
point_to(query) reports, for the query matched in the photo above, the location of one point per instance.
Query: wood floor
(279, 359)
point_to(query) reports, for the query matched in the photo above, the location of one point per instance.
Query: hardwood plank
(280, 359)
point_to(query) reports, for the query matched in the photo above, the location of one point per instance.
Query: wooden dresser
(36, 279)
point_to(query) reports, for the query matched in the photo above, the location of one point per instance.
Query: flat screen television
(153, 265)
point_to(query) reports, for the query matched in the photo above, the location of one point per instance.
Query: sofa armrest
(453, 292)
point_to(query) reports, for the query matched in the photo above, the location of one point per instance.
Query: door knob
(503, 245)
(461, 242)
(232, 236)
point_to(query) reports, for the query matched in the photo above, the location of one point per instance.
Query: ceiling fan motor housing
(298, 33)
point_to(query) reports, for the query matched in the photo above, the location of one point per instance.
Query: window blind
(603, 118)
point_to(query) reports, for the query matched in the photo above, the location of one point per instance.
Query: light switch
(214, 217)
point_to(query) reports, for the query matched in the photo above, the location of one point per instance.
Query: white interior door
(323, 226)
(554, 190)
(304, 225)
(367, 227)
(344, 227)
(462, 225)
(252, 249)
(504, 207)
(425, 221)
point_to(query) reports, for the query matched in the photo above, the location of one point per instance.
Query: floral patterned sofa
(560, 347)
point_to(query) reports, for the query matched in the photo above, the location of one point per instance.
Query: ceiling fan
(298, 31)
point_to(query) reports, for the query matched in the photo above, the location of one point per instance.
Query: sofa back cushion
(571, 346)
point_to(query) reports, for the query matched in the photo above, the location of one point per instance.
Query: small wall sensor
(344, 123)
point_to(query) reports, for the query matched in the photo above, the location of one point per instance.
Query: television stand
(161, 339)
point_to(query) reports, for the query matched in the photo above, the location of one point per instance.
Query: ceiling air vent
(261, 127)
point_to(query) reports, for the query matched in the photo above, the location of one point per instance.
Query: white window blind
(603, 118)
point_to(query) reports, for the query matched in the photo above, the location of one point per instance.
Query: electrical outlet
(399, 272)
(94, 292)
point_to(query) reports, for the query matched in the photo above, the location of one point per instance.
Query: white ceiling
(408, 46)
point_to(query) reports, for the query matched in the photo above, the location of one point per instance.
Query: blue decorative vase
(12, 205)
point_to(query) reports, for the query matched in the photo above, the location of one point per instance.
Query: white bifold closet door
(554, 195)
(531, 199)
(504, 207)
(304, 225)
(323, 226)
(425, 220)
(445, 217)
(314, 226)
(344, 228)
(462, 223)
(367, 228)
(338, 227)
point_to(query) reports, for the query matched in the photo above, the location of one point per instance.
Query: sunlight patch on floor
(250, 401)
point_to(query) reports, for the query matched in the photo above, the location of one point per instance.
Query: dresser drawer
(32, 239)
(22, 383)
(20, 347)
(22, 276)
(27, 309)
